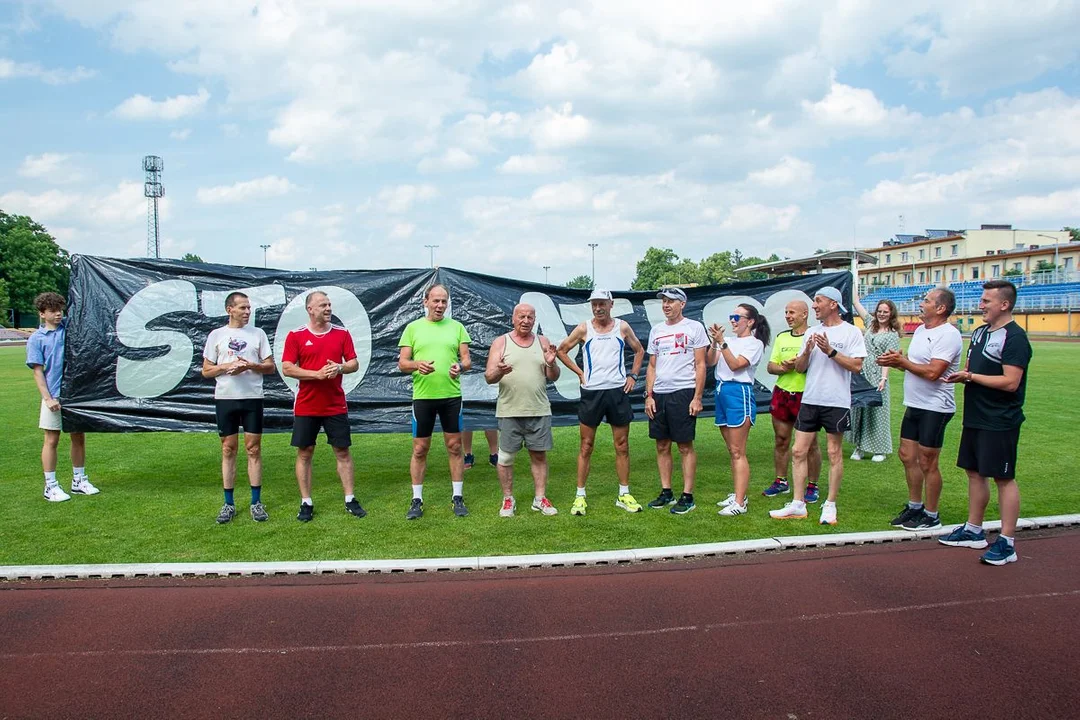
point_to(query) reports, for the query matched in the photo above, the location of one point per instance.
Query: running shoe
(828, 513)
(416, 509)
(54, 493)
(508, 507)
(685, 505)
(543, 505)
(726, 501)
(470, 460)
(457, 504)
(962, 537)
(734, 509)
(906, 514)
(778, 487)
(921, 521)
(811, 494)
(578, 508)
(306, 512)
(82, 486)
(1000, 553)
(664, 499)
(258, 512)
(353, 506)
(878, 458)
(794, 510)
(857, 455)
(627, 502)
(228, 512)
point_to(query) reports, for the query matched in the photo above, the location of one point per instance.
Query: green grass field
(161, 491)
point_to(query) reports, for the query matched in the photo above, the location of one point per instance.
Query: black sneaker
(306, 511)
(493, 459)
(906, 514)
(921, 521)
(458, 504)
(228, 512)
(353, 506)
(664, 499)
(685, 504)
(416, 510)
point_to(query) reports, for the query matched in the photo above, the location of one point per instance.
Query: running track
(895, 631)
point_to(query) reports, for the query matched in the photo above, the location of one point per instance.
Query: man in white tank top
(605, 391)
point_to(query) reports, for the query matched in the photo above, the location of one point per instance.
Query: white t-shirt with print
(673, 346)
(748, 347)
(940, 343)
(227, 344)
(827, 383)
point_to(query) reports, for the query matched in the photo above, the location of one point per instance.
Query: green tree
(5, 310)
(581, 282)
(657, 263)
(191, 257)
(30, 261)
(1074, 233)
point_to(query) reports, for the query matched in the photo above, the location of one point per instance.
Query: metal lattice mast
(153, 189)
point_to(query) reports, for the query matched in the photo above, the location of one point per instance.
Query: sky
(350, 134)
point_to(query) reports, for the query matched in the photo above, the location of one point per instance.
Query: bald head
(795, 313)
(524, 318)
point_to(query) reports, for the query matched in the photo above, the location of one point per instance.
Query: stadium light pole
(265, 248)
(593, 246)
(432, 249)
(546, 268)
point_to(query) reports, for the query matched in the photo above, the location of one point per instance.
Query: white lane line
(171, 652)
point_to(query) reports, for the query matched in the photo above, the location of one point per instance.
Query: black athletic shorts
(991, 453)
(232, 414)
(812, 418)
(611, 405)
(424, 412)
(305, 430)
(925, 427)
(673, 420)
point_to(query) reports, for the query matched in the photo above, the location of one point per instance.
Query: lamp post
(265, 248)
(593, 246)
(546, 268)
(432, 249)
(1057, 242)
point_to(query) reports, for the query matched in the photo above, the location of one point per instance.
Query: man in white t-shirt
(674, 384)
(830, 353)
(933, 355)
(237, 356)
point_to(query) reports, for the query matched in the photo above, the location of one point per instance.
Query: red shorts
(785, 405)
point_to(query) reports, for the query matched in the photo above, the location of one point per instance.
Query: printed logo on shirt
(308, 343)
(679, 345)
(237, 344)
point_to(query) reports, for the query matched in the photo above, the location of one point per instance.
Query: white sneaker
(792, 511)
(878, 458)
(508, 507)
(54, 493)
(729, 500)
(856, 455)
(734, 508)
(828, 513)
(82, 486)
(543, 505)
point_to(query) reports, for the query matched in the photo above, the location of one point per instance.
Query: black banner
(137, 328)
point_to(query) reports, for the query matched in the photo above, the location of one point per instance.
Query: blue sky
(351, 134)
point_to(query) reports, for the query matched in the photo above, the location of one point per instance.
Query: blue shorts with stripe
(735, 403)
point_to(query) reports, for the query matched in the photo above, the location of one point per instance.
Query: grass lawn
(161, 491)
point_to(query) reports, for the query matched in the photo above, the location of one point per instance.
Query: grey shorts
(532, 432)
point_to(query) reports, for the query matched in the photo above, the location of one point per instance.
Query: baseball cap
(673, 293)
(833, 294)
(600, 295)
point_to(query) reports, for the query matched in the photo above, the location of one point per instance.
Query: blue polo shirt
(46, 348)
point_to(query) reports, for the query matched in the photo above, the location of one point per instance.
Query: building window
(937, 252)
(922, 277)
(953, 275)
(995, 271)
(1068, 264)
(907, 278)
(922, 254)
(903, 256)
(955, 250)
(974, 273)
(1018, 266)
(937, 276)
(888, 257)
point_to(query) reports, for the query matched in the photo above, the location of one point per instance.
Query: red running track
(895, 631)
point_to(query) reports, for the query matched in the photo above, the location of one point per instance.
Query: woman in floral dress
(871, 428)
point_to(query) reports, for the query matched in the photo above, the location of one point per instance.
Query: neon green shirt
(785, 347)
(436, 342)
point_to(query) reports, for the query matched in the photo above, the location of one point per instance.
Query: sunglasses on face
(734, 317)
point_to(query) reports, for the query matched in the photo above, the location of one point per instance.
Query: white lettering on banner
(654, 311)
(550, 325)
(348, 308)
(155, 376)
(573, 314)
(213, 301)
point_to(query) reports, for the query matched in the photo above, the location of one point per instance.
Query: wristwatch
(723, 345)
(633, 377)
(833, 353)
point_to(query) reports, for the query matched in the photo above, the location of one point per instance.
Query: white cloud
(51, 167)
(479, 133)
(532, 164)
(560, 197)
(1060, 204)
(283, 252)
(856, 109)
(452, 160)
(264, 187)
(400, 198)
(122, 207)
(752, 216)
(142, 107)
(559, 128)
(11, 70)
(180, 135)
(790, 171)
(402, 231)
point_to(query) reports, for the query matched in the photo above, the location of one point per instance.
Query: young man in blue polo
(45, 356)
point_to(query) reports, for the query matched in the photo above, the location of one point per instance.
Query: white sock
(624, 489)
(1007, 539)
(581, 492)
(349, 498)
(973, 528)
(50, 478)
(78, 472)
(459, 488)
(914, 505)
(418, 492)
(800, 505)
(306, 501)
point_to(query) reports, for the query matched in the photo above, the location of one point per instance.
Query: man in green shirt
(435, 349)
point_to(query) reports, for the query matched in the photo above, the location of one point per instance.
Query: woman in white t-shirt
(736, 361)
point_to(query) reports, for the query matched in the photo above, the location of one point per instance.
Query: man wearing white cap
(674, 384)
(830, 353)
(605, 392)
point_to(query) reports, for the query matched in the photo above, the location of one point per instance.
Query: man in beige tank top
(522, 363)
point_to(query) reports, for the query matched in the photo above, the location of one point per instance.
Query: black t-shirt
(987, 408)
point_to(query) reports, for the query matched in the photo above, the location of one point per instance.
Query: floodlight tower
(153, 189)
